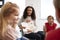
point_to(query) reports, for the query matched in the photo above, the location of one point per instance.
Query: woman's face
(50, 20)
(13, 18)
(29, 11)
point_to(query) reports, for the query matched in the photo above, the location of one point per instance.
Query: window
(47, 8)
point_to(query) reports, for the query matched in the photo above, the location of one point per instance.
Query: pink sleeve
(9, 35)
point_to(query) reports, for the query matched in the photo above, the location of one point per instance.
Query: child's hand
(28, 20)
(29, 30)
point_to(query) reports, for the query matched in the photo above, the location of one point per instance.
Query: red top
(49, 28)
(53, 35)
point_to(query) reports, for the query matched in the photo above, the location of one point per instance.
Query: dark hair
(56, 3)
(49, 17)
(25, 14)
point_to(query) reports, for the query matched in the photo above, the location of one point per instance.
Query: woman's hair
(56, 3)
(25, 14)
(6, 10)
(50, 16)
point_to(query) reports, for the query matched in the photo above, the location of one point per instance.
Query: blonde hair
(56, 3)
(6, 10)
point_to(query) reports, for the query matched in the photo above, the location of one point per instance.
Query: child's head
(50, 19)
(9, 12)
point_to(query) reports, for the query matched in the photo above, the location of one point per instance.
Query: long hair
(6, 10)
(25, 14)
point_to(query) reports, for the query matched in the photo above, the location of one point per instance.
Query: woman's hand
(23, 27)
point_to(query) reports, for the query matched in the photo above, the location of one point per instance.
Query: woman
(50, 25)
(29, 17)
(9, 13)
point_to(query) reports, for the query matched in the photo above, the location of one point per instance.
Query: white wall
(47, 8)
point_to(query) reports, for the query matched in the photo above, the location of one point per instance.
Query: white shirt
(28, 26)
(18, 31)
